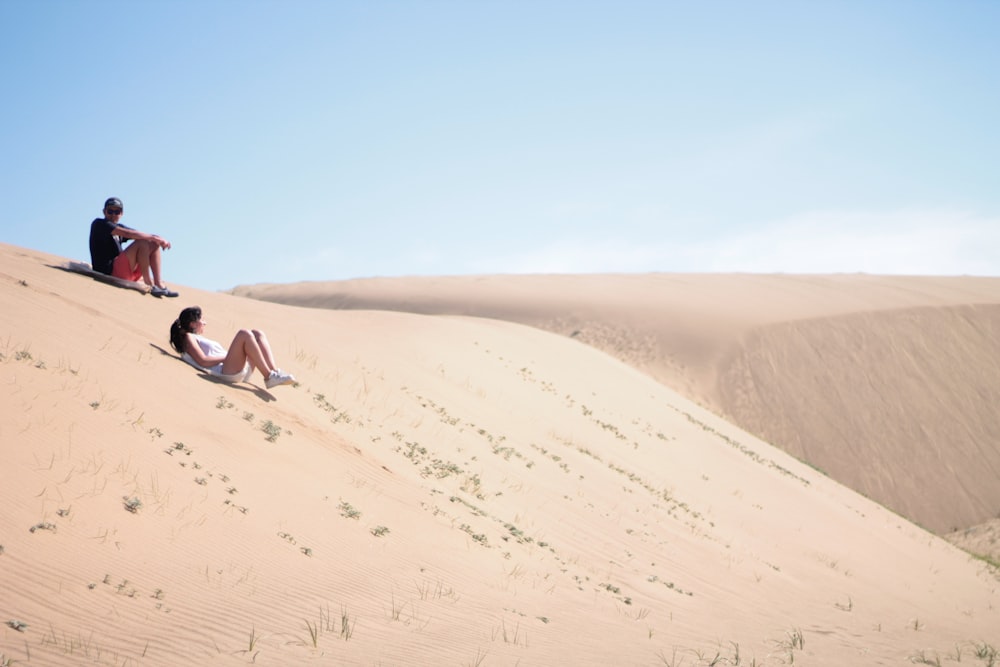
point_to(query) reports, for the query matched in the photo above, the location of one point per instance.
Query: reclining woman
(248, 351)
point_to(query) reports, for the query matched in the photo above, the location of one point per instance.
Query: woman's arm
(192, 348)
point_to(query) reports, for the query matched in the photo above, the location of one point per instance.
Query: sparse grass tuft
(348, 512)
(987, 653)
(923, 659)
(45, 525)
(313, 633)
(251, 645)
(271, 429)
(794, 641)
(346, 625)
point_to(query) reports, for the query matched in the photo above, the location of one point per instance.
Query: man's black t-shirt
(104, 245)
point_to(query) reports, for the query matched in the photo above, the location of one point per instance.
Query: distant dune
(436, 490)
(891, 385)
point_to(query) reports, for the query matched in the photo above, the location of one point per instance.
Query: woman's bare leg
(265, 347)
(245, 348)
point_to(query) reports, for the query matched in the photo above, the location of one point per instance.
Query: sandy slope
(435, 491)
(889, 384)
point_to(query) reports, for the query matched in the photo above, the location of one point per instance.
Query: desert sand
(888, 384)
(435, 490)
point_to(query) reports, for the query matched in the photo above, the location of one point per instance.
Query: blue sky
(306, 140)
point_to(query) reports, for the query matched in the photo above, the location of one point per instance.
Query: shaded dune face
(898, 405)
(889, 384)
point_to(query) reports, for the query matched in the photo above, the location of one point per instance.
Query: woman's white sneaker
(277, 378)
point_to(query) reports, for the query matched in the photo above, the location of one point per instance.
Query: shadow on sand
(262, 394)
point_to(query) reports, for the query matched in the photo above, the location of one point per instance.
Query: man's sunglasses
(115, 211)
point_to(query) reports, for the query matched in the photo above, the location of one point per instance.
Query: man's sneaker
(277, 378)
(162, 291)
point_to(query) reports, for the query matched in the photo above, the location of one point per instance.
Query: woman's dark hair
(182, 326)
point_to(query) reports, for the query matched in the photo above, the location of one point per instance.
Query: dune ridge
(435, 490)
(888, 383)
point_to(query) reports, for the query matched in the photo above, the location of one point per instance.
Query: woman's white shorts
(232, 378)
(216, 371)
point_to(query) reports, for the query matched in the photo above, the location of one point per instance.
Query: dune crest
(435, 490)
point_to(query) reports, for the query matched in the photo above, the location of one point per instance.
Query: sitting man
(140, 259)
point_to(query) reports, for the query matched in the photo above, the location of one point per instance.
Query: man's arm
(134, 234)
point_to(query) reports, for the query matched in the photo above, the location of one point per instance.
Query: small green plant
(132, 504)
(478, 537)
(337, 415)
(986, 653)
(223, 403)
(379, 531)
(271, 429)
(347, 511)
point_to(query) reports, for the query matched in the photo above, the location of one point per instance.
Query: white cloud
(900, 242)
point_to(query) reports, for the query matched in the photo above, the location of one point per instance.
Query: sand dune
(888, 384)
(434, 491)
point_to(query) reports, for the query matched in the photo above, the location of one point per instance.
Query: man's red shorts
(121, 268)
